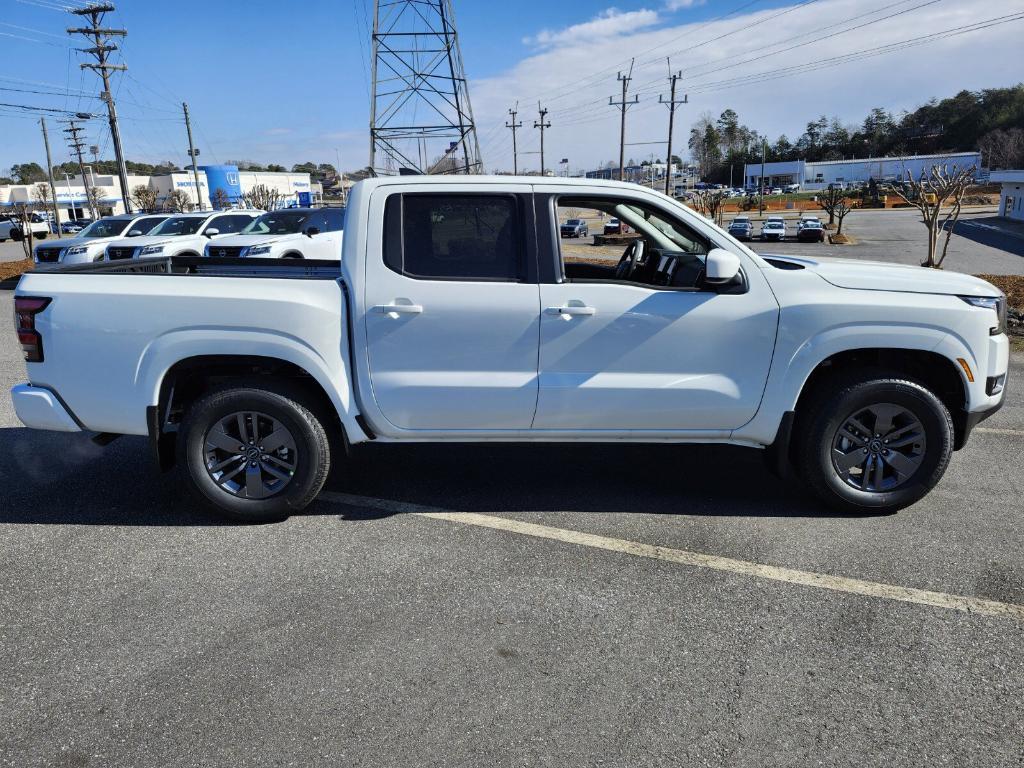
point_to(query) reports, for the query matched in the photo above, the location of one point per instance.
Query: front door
(452, 312)
(633, 339)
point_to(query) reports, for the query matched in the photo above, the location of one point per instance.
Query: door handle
(571, 310)
(400, 309)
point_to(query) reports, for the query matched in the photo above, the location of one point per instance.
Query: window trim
(526, 266)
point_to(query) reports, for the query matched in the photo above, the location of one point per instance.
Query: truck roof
(455, 179)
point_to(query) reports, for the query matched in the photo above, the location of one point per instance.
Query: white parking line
(695, 559)
(997, 431)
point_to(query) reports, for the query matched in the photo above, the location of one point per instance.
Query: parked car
(741, 228)
(89, 244)
(74, 226)
(791, 188)
(866, 376)
(776, 191)
(613, 227)
(810, 230)
(574, 228)
(182, 234)
(294, 233)
(773, 228)
(11, 228)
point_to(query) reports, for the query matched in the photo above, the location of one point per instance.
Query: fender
(792, 367)
(167, 350)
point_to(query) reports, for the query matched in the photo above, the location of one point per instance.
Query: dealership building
(295, 189)
(818, 175)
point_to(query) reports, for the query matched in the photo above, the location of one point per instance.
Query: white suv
(292, 233)
(88, 245)
(10, 228)
(182, 234)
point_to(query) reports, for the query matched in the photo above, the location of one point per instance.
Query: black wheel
(16, 235)
(873, 443)
(41, 235)
(292, 255)
(255, 453)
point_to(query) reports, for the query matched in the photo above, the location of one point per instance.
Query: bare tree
(928, 193)
(841, 209)
(23, 214)
(262, 198)
(144, 197)
(95, 197)
(1002, 149)
(220, 199)
(709, 203)
(41, 195)
(178, 202)
(829, 200)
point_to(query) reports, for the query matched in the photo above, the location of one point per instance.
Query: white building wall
(818, 175)
(1011, 197)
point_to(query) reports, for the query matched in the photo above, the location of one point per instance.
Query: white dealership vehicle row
(291, 233)
(183, 234)
(454, 317)
(88, 245)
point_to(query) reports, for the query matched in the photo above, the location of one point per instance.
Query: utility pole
(623, 105)
(76, 145)
(515, 149)
(672, 104)
(193, 153)
(49, 174)
(764, 147)
(542, 125)
(100, 36)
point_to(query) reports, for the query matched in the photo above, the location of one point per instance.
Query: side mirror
(211, 232)
(135, 233)
(721, 266)
(310, 231)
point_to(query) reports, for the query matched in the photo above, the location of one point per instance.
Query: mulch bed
(11, 269)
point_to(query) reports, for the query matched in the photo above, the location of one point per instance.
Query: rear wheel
(874, 443)
(255, 454)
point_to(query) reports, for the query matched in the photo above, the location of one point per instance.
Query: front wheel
(873, 443)
(254, 453)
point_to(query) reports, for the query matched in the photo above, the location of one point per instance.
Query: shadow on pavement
(53, 478)
(994, 232)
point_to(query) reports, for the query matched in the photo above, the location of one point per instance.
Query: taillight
(25, 310)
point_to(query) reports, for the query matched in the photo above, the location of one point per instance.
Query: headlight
(78, 250)
(996, 303)
(149, 250)
(259, 250)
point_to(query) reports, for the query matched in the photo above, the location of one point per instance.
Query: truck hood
(71, 242)
(143, 240)
(883, 276)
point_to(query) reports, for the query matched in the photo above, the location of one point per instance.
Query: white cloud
(574, 78)
(610, 22)
(676, 5)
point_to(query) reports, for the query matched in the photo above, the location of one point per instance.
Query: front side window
(650, 247)
(230, 224)
(335, 219)
(454, 237)
(179, 225)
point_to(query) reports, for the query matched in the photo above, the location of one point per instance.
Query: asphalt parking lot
(572, 617)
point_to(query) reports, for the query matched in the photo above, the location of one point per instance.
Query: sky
(289, 82)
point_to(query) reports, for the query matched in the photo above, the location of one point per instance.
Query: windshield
(278, 223)
(106, 228)
(179, 225)
(573, 222)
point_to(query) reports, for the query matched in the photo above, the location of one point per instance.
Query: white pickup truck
(455, 317)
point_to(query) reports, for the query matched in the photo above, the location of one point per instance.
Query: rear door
(452, 309)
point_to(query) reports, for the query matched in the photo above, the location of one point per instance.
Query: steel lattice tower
(420, 117)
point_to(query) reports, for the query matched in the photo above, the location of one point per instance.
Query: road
(134, 630)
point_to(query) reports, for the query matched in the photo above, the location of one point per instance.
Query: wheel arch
(190, 378)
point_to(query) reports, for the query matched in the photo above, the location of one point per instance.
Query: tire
(276, 485)
(16, 235)
(292, 255)
(924, 451)
(41, 235)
